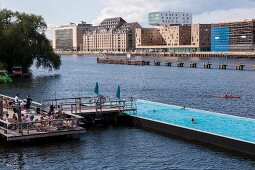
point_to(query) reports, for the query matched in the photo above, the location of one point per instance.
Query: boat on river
(227, 96)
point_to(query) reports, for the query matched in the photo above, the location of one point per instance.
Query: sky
(59, 12)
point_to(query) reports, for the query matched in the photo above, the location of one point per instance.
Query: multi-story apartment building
(67, 37)
(176, 35)
(201, 36)
(181, 38)
(149, 37)
(170, 18)
(233, 36)
(112, 34)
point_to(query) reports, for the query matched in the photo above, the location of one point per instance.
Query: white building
(170, 18)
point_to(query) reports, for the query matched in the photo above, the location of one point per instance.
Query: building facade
(176, 35)
(149, 37)
(170, 18)
(201, 36)
(112, 34)
(178, 39)
(220, 39)
(239, 35)
(67, 38)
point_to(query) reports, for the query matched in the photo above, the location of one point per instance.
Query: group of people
(26, 103)
(55, 116)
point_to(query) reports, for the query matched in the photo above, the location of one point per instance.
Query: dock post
(19, 119)
(207, 65)
(180, 64)
(240, 66)
(1, 108)
(223, 66)
(193, 65)
(169, 64)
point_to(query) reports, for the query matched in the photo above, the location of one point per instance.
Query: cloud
(203, 10)
(225, 15)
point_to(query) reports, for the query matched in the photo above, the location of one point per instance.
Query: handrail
(12, 98)
(45, 125)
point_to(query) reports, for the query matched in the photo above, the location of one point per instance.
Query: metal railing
(98, 103)
(47, 126)
(8, 98)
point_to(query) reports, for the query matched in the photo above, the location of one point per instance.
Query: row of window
(167, 14)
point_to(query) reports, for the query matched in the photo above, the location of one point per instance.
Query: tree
(23, 41)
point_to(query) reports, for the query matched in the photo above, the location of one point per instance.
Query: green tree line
(23, 42)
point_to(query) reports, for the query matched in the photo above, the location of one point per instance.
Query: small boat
(17, 71)
(227, 96)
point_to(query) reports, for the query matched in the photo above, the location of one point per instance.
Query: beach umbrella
(97, 88)
(118, 92)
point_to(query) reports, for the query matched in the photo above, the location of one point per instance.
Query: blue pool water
(221, 124)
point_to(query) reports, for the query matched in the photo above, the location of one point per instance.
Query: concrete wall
(221, 141)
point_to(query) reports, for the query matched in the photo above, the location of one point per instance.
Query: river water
(127, 147)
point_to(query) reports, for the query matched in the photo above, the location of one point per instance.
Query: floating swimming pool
(239, 128)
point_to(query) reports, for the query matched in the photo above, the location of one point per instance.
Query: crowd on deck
(34, 118)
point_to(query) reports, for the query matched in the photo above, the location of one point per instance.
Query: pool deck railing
(93, 105)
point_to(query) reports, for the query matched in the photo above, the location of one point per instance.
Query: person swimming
(193, 120)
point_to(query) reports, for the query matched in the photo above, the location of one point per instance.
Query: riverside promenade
(166, 54)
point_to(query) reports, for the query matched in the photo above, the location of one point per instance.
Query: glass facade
(64, 39)
(154, 18)
(220, 39)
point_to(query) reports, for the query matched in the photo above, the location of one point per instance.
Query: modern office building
(67, 37)
(233, 36)
(220, 39)
(112, 34)
(170, 18)
(178, 39)
(85, 26)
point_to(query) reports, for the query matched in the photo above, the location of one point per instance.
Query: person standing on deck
(29, 101)
(16, 100)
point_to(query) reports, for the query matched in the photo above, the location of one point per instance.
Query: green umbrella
(118, 92)
(97, 88)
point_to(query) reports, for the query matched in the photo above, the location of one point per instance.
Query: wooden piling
(207, 65)
(222, 66)
(169, 64)
(240, 66)
(193, 65)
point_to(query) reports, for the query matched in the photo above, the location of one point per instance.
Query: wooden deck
(33, 134)
(11, 130)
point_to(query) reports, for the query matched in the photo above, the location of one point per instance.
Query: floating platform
(126, 62)
(226, 131)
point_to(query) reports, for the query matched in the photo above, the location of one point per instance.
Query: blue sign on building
(220, 39)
